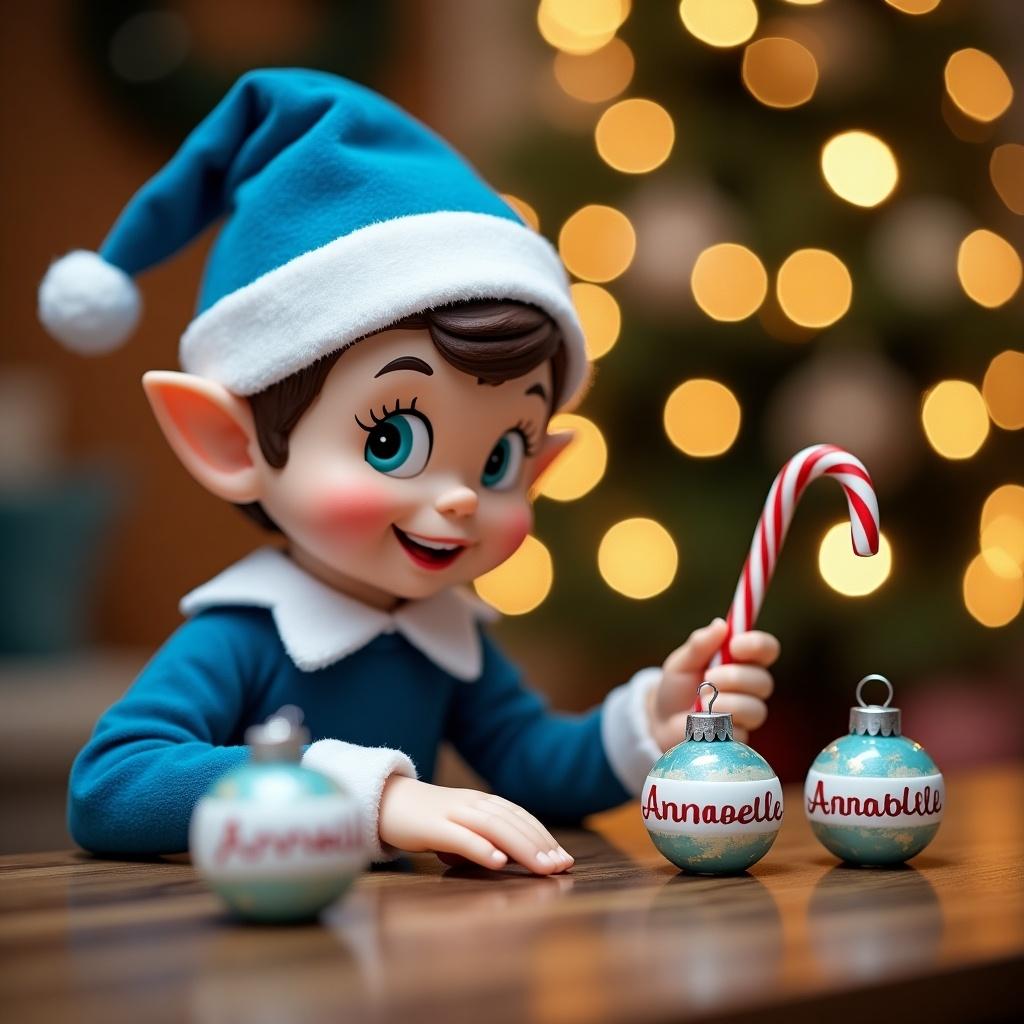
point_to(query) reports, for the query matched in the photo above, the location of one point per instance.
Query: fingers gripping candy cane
(813, 462)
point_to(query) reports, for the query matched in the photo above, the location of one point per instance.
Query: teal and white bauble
(279, 842)
(711, 804)
(874, 797)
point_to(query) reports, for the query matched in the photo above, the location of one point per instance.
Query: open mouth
(429, 553)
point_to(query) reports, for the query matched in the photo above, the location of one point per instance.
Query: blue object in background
(52, 546)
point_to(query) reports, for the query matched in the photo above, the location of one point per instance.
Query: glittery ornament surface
(874, 800)
(712, 807)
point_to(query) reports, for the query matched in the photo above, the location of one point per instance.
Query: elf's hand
(744, 685)
(416, 816)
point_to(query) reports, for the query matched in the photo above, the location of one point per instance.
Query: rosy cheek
(513, 528)
(355, 508)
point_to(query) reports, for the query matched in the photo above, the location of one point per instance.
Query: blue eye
(501, 470)
(399, 444)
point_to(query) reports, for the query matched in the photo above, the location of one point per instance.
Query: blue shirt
(181, 725)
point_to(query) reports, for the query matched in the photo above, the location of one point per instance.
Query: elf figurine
(379, 345)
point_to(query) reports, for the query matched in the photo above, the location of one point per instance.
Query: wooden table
(624, 937)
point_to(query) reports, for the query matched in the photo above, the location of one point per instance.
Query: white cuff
(362, 772)
(625, 732)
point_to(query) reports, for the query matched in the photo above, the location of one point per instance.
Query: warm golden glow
(849, 573)
(580, 467)
(993, 597)
(1006, 169)
(1003, 389)
(720, 23)
(600, 316)
(977, 84)
(1007, 500)
(1002, 544)
(989, 268)
(580, 26)
(597, 243)
(779, 72)
(859, 167)
(955, 419)
(729, 282)
(635, 136)
(596, 77)
(913, 6)
(1001, 533)
(638, 558)
(524, 209)
(814, 288)
(520, 583)
(702, 418)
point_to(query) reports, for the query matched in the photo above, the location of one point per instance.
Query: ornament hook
(714, 698)
(869, 679)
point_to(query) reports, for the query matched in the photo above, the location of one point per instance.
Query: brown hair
(493, 340)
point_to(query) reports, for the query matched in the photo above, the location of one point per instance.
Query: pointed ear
(552, 446)
(211, 431)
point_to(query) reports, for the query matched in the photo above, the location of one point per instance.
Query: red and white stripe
(813, 462)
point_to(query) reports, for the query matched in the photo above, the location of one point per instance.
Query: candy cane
(786, 491)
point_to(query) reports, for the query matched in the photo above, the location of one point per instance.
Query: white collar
(319, 625)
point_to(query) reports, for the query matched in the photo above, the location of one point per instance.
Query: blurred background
(787, 222)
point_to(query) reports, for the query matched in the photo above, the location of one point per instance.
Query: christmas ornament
(785, 493)
(874, 797)
(711, 804)
(277, 841)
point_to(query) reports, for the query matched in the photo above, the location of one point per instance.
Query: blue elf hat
(343, 214)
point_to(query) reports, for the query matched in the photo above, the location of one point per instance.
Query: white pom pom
(87, 304)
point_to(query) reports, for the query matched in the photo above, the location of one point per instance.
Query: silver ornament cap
(708, 725)
(875, 719)
(280, 738)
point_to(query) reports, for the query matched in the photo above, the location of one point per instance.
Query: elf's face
(407, 475)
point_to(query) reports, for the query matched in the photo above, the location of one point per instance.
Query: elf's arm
(181, 726)
(558, 766)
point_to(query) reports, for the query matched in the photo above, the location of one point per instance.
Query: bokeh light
(1001, 531)
(721, 23)
(524, 209)
(977, 84)
(955, 419)
(989, 268)
(520, 583)
(729, 282)
(637, 558)
(580, 26)
(1006, 168)
(848, 573)
(580, 467)
(1003, 390)
(993, 597)
(597, 243)
(814, 288)
(859, 167)
(914, 6)
(635, 136)
(1002, 543)
(702, 418)
(600, 316)
(779, 72)
(596, 77)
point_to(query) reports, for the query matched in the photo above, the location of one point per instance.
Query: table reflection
(864, 923)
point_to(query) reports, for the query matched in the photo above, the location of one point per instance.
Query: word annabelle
(761, 809)
(924, 803)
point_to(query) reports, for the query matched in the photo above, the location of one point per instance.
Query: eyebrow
(538, 389)
(406, 363)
